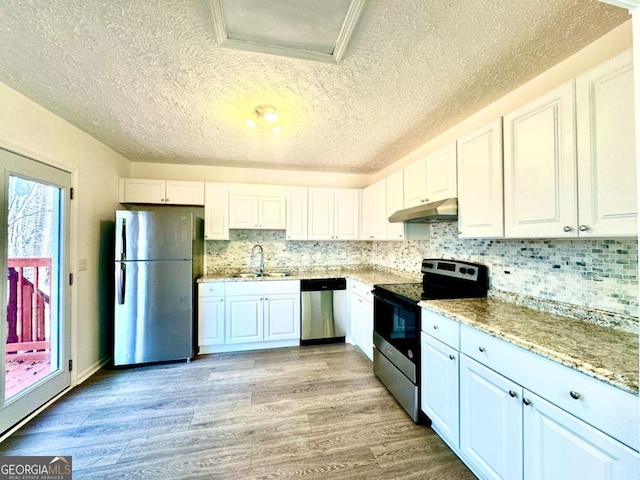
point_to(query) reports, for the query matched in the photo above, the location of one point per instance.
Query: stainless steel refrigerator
(158, 257)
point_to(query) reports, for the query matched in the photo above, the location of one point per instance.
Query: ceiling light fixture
(265, 115)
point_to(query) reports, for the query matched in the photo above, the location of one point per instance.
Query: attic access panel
(306, 29)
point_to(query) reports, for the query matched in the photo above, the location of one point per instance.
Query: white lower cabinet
(490, 422)
(440, 388)
(361, 312)
(573, 426)
(210, 314)
(249, 315)
(558, 446)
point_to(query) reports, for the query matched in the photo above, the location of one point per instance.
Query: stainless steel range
(396, 322)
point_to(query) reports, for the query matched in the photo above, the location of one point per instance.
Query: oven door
(398, 323)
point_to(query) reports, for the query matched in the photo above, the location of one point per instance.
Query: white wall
(28, 129)
(248, 175)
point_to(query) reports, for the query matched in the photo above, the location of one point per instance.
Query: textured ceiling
(147, 78)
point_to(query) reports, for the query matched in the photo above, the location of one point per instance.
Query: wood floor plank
(307, 412)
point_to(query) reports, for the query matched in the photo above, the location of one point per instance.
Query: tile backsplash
(600, 274)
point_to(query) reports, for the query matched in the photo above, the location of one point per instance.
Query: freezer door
(153, 312)
(153, 235)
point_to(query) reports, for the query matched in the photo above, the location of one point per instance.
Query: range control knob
(470, 271)
(428, 265)
(463, 270)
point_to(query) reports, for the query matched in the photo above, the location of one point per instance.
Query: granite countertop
(369, 276)
(601, 352)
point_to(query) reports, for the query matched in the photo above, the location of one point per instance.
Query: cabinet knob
(482, 349)
(452, 357)
(512, 394)
(567, 228)
(435, 327)
(266, 299)
(459, 232)
(526, 401)
(583, 228)
(370, 236)
(574, 395)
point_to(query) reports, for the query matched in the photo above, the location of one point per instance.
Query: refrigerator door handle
(123, 235)
(121, 283)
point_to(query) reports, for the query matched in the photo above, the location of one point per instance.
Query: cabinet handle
(482, 349)
(574, 395)
(526, 401)
(512, 394)
(583, 228)
(451, 357)
(567, 228)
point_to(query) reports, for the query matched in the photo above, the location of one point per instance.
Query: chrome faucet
(261, 266)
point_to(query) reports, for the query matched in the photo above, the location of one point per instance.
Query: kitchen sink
(258, 275)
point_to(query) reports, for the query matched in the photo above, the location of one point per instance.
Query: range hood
(442, 211)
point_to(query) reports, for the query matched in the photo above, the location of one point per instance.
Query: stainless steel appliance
(323, 301)
(396, 322)
(158, 257)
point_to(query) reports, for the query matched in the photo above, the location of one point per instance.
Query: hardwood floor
(309, 412)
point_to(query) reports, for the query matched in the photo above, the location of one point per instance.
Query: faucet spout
(261, 264)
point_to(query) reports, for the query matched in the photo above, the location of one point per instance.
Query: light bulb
(271, 116)
(276, 130)
(250, 122)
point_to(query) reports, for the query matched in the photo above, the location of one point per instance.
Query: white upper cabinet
(539, 167)
(552, 188)
(415, 183)
(606, 149)
(440, 169)
(395, 202)
(165, 192)
(297, 213)
(334, 214)
(257, 207)
(216, 211)
(431, 178)
(480, 191)
(374, 211)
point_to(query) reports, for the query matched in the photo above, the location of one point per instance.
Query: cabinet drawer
(442, 328)
(362, 289)
(262, 287)
(609, 409)
(211, 289)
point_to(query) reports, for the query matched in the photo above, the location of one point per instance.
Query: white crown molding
(350, 22)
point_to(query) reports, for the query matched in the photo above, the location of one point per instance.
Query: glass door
(35, 328)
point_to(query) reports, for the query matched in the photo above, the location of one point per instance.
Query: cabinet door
(321, 214)
(367, 329)
(539, 168)
(297, 214)
(243, 211)
(216, 211)
(272, 212)
(441, 176)
(558, 446)
(141, 190)
(490, 421)
(374, 211)
(244, 319)
(415, 186)
(210, 321)
(606, 150)
(184, 193)
(395, 202)
(480, 183)
(282, 317)
(355, 314)
(439, 387)
(346, 214)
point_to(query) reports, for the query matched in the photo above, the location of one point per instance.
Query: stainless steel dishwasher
(324, 303)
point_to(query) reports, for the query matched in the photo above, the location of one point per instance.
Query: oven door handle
(390, 302)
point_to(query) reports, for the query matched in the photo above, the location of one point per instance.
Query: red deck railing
(28, 309)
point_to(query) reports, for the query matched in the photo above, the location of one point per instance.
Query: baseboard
(92, 369)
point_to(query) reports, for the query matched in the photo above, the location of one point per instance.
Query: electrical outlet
(230, 257)
(317, 256)
(343, 255)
